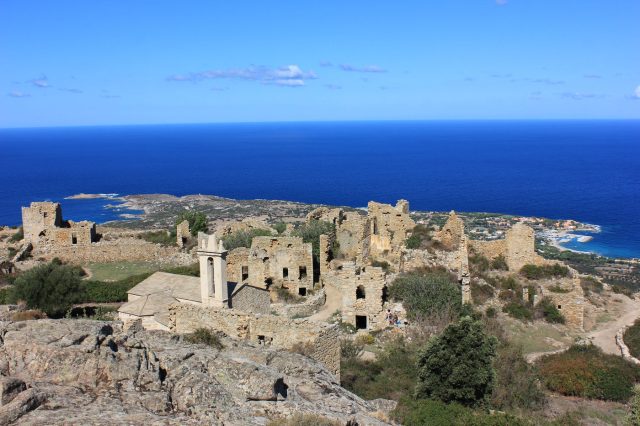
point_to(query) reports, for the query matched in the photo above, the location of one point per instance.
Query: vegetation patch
(206, 337)
(419, 238)
(243, 238)
(481, 293)
(299, 419)
(310, 233)
(426, 294)
(165, 238)
(18, 236)
(591, 285)
(631, 338)
(535, 272)
(586, 371)
(197, 221)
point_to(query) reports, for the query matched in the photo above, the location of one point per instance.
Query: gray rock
(10, 387)
(93, 372)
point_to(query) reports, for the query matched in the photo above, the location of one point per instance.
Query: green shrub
(392, 374)
(52, 288)
(420, 412)
(518, 310)
(350, 349)
(109, 292)
(491, 312)
(547, 310)
(192, 270)
(499, 263)
(419, 236)
(6, 296)
(243, 238)
(159, 237)
(426, 294)
(479, 263)
(557, 289)
(280, 227)
(631, 338)
(18, 236)
(456, 366)
(586, 371)
(381, 264)
(481, 292)
(517, 384)
(310, 233)
(197, 221)
(534, 272)
(204, 336)
(633, 419)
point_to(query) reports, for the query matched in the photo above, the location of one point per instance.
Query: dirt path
(332, 304)
(626, 312)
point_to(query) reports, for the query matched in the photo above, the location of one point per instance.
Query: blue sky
(99, 62)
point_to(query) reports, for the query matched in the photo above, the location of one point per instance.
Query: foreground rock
(82, 371)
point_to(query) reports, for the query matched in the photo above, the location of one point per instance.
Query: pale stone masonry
(42, 224)
(182, 233)
(390, 227)
(321, 340)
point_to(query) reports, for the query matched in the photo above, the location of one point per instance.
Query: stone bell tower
(213, 271)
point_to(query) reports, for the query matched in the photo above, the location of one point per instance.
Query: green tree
(197, 221)
(311, 231)
(53, 288)
(243, 238)
(426, 294)
(634, 415)
(457, 365)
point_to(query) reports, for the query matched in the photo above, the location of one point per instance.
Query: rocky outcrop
(93, 372)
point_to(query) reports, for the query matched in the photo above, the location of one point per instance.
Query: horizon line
(319, 122)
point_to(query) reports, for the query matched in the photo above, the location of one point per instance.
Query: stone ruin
(183, 233)
(42, 224)
(273, 262)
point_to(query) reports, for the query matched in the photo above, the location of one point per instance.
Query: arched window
(360, 294)
(212, 288)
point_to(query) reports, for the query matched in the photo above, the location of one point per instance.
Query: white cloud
(41, 82)
(18, 94)
(637, 93)
(289, 75)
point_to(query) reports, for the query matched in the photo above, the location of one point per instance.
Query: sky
(76, 63)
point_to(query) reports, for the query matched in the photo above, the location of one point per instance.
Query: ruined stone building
(517, 248)
(183, 304)
(183, 233)
(43, 224)
(283, 261)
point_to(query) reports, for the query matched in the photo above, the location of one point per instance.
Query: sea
(583, 170)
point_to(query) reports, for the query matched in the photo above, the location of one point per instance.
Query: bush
(52, 288)
(6, 296)
(285, 296)
(391, 375)
(534, 272)
(18, 236)
(585, 371)
(197, 221)
(280, 227)
(419, 236)
(243, 238)
(311, 231)
(381, 264)
(426, 294)
(517, 384)
(491, 312)
(108, 292)
(480, 293)
(547, 310)
(499, 263)
(159, 237)
(206, 337)
(633, 419)
(478, 263)
(457, 365)
(300, 419)
(591, 285)
(631, 338)
(518, 310)
(411, 412)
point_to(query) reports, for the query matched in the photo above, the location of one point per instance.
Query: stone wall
(364, 293)
(305, 309)
(182, 233)
(389, 229)
(280, 332)
(352, 231)
(571, 305)
(251, 299)
(451, 233)
(237, 262)
(517, 248)
(285, 260)
(43, 225)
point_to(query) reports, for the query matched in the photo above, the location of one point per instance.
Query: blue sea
(583, 170)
